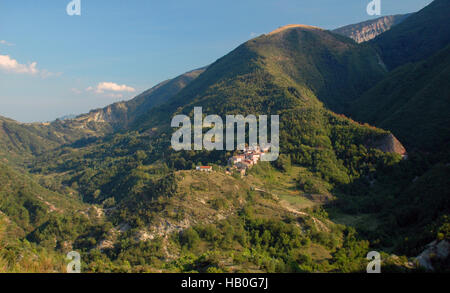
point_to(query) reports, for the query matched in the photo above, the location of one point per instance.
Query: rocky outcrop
(115, 113)
(388, 144)
(368, 30)
(121, 114)
(434, 251)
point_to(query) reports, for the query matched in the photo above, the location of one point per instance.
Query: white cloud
(103, 87)
(9, 64)
(3, 42)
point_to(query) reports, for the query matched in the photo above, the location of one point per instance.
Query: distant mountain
(67, 117)
(368, 30)
(120, 115)
(417, 37)
(20, 140)
(294, 65)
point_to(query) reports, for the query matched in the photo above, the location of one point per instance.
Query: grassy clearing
(368, 222)
(283, 185)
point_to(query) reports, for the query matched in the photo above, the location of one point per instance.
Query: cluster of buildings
(240, 162)
(247, 159)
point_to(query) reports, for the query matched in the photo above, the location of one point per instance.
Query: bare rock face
(368, 30)
(115, 113)
(435, 249)
(119, 115)
(389, 144)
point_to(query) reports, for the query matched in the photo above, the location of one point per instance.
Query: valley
(363, 165)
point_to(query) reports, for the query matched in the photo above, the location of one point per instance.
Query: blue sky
(52, 64)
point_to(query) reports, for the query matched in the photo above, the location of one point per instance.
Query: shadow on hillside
(400, 208)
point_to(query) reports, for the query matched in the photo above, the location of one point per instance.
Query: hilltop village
(241, 162)
(245, 160)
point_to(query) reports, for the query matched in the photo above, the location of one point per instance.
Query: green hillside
(220, 222)
(109, 185)
(263, 76)
(27, 203)
(296, 65)
(21, 141)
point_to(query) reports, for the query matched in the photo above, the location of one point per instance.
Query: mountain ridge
(418, 37)
(370, 29)
(413, 94)
(121, 114)
(25, 140)
(338, 190)
(309, 76)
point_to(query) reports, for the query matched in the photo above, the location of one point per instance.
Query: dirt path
(319, 224)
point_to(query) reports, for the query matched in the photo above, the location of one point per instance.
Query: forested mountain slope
(294, 65)
(419, 36)
(414, 96)
(28, 204)
(289, 72)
